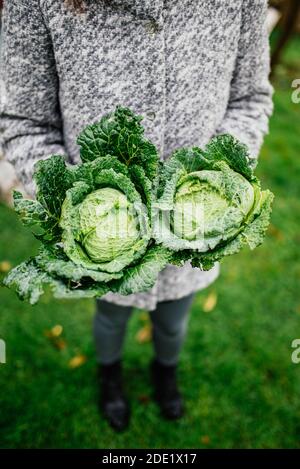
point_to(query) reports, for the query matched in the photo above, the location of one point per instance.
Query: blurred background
(240, 384)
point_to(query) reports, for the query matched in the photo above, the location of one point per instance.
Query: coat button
(150, 115)
(153, 27)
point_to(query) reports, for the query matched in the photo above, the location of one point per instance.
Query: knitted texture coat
(194, 69)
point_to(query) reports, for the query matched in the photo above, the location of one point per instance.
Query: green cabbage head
(108, 225)
(209, 203)
(105, 228)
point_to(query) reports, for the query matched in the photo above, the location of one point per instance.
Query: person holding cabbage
(195, 70)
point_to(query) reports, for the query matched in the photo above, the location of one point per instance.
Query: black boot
(113, 402)
(166, 392)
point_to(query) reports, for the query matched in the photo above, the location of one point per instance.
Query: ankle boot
(166, 392)
(113, 402)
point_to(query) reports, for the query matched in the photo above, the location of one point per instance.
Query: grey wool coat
(194, 69)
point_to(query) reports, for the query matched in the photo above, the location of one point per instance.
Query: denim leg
(169, 328)
(110, 323)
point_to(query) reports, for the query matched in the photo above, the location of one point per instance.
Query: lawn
(241, 388)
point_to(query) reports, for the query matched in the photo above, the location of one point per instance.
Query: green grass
(241, 389)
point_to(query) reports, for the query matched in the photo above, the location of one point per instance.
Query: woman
(193, 69)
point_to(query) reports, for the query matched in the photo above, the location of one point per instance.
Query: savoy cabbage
(209, 203)
(114, 221)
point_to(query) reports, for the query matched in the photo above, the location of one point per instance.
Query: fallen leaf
(144, 316)
(210, 302)
(144, 334)
(57, 330)
(77, 361)
(275, 232)
(205, 440)
(60, 344)
(5, 266)
(144, 398)
(54, 337)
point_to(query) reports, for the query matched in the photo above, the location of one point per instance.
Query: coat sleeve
(30, 121)
(250, 103)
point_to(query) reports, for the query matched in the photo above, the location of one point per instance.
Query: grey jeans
(169, 322)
